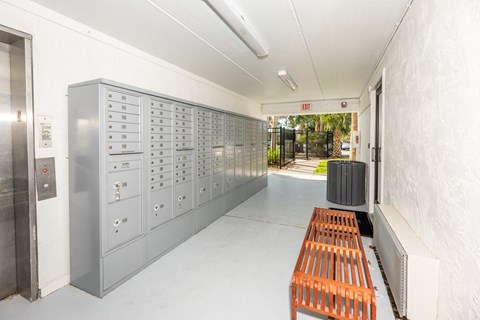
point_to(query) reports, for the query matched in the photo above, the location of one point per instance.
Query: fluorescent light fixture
(287, 79)
(237, 23)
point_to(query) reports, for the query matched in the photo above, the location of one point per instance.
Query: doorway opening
(18, 247)
(377, 145)
(377, 129)
(298, 139)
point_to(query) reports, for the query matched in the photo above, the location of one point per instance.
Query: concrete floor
(237, 268)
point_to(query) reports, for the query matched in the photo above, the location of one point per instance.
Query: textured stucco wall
(66, 52)
(431, 154)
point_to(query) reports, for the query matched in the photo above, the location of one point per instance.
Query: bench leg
(294, 312)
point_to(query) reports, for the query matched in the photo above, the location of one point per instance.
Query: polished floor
(239, 267)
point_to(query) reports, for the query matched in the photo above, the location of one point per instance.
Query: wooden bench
(331, 276)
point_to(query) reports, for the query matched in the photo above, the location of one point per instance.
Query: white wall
(431, 154)
(66, 52)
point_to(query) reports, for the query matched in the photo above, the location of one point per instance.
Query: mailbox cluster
(148, 171)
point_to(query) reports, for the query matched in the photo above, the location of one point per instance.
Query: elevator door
(8, 282)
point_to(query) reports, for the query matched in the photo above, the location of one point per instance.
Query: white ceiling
(329, 47)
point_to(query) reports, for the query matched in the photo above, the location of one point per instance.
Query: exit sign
(306, 106)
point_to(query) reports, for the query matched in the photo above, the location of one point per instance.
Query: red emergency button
(45, 170)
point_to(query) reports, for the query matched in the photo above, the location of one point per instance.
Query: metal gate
(281, 146)
(313, 144)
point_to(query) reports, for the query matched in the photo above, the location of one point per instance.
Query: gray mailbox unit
(147, 171)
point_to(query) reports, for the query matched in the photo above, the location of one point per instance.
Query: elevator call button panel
(46, 184)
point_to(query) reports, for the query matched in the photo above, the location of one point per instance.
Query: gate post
(294, 140)
(282, 147)
(306, 144)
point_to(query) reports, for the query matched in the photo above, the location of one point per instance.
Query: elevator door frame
(23, 157)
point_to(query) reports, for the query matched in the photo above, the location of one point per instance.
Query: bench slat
(331, 275)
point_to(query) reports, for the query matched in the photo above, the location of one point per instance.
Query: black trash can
(346, 182)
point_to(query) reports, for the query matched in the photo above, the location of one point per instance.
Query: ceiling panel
(344, 39)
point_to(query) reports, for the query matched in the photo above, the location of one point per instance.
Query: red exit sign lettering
(306, 106)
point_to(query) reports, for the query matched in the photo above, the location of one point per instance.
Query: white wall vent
(411, 269)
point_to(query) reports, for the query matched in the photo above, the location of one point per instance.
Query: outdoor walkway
(303, 168)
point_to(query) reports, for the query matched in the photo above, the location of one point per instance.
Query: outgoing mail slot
(184, 158)
(124, 165)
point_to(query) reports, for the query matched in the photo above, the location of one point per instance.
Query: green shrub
(273, 156)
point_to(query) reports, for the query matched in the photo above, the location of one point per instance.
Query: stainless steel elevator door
(8, 277)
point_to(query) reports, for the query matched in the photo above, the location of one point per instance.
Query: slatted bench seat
(331, 276)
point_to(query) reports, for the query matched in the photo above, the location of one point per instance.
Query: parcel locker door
(230, 179)
(203, 190)
(264, 159)
(238, 165)
(253, 159)
(258, 159)
(161, 208)
(123, 185)
(183, 198)
(123, 222)
(217, 185)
